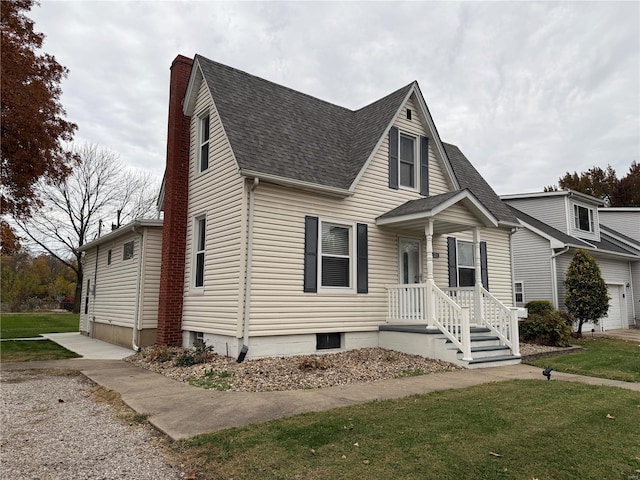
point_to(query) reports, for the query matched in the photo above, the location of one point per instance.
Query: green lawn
(32, 350)
(600, 357)
(24, 325)
(509, 430)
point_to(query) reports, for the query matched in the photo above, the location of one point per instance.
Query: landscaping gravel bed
(53, 428)
(289, 373)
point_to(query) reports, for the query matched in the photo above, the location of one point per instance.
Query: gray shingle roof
(419, 205)
(468, 177)
(276, 130)
(549, 230)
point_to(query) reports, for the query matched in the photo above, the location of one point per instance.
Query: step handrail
(452, 320)
(501, 320)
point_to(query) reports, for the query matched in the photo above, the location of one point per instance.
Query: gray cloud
(527, 90)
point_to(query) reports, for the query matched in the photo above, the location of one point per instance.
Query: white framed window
(127, 251)
(583, 218)
(518, 290)
(200, 235)
(336, 256)
(466, 264)
(203, 142)
(408, 161)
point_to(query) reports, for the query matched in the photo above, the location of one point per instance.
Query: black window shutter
(452, 261)
(363, 259)
(483, 265)
(310, 254)
(424, 166)
(393, 158)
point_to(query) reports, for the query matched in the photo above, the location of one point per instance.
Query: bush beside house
(545, 325)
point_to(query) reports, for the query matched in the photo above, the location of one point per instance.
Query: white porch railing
(452, 311)
(452, 320)
(407, 303)
(501, 320)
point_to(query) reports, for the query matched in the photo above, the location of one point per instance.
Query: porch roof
(414, 213)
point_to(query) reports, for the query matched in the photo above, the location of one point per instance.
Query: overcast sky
(527, 91)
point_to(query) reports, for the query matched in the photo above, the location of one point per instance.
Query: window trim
(516, 293)
(203, 118)
(198, 232)
(351, 226)
(416, 162)
(576, 218)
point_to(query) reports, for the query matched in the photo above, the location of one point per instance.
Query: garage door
(614, 319)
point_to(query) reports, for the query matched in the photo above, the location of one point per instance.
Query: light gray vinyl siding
(562, 264)
(532, 265)
(551, 210)
(218, 195)
(635, 290)
(625, 222)
(618, 273)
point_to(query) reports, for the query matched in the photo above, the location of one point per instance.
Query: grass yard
(33, 350)
(600, 357)
(24, 325)
(510, 430)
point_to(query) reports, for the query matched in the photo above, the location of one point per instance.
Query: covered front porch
(464, 314)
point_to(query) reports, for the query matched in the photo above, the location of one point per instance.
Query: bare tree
(100, 190)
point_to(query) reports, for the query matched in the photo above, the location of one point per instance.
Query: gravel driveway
(53, 428)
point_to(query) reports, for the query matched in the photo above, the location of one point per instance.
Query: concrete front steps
(486, 350)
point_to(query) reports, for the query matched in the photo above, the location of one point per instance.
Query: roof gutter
(247, 290)
(301, 184)
(136, 319)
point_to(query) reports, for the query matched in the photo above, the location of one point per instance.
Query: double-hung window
(583, 218)
(200, 237)
(466, 265)
(203, 141)
(336, 255)
(408, 161)
(518, 288)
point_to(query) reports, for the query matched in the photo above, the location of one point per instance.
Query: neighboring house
(121, 284)
(555, 224)
(295, 226)
(622, 226)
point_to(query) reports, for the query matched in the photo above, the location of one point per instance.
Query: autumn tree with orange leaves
(34, 129)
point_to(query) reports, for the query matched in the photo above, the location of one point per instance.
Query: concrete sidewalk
(182, 411)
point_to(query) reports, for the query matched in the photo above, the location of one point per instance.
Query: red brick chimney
(174, 230)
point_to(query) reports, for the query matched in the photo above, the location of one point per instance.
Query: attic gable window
(203, 141)
(583, 218)
(407, 157)
(408, 161)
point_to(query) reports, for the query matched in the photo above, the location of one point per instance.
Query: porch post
(477, 314)
(428, 231)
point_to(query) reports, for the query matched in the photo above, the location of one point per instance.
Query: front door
(410, 273)
(410, 261)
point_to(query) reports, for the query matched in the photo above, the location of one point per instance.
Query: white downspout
(136, 318)
(554, 276)
(247, 290)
